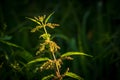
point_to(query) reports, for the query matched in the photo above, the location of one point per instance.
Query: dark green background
(90, 26)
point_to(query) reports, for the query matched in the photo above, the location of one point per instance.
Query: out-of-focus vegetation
(88, 26)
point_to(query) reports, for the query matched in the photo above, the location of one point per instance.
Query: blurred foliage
(89, 26)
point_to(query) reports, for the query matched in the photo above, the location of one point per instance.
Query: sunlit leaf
(46, 20)
(73, 75)
(34, 20)
(38, 60)
(74, 53)
(48, 77)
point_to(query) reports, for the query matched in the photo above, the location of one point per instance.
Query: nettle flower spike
(42, 22)
(52, 25)
(47, 65)
(41, 18)
(36, 28)
(50, 45)
(53, 47)
(45, 36)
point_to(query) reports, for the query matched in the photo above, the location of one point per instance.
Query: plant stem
(56, 65)
(57, 68)
(44, 28)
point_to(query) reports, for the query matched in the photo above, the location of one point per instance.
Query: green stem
(44, 28)
(57, 68)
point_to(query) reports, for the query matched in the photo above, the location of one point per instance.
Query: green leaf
(11, 44)
(73, 75)
(48, 77)
(38, 60)
(74, 53)
(34, 20)
(6, 37)
(46, 20)
(27, 56)
(24, 54)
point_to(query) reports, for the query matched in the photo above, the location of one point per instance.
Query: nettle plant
(49, 47)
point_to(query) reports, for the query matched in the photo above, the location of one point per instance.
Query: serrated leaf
(73, 75)
(38, 60)
(74, 53)
(48, 77)
(33, 20)
(46, 20)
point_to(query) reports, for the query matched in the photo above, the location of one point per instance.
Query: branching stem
(56, 65)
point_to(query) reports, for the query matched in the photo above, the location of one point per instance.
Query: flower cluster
(50, 64)
(42, 23)
(48, 44)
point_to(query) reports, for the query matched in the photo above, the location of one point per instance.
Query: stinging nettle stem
(56, 65)
(57, 68)
(44, 28)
